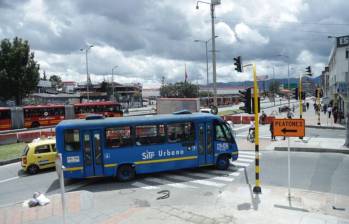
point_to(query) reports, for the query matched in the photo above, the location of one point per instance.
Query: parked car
(283, 109)
(39, 154)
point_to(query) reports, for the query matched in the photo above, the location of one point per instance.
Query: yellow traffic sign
(289, 127)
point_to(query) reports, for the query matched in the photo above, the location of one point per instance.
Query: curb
(304, 149)
(5, 162)
(324, 127)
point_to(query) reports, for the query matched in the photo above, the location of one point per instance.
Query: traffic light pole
(318, 104)
(300, 97)
(257, 188)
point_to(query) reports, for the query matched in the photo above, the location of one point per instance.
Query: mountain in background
(265, 84)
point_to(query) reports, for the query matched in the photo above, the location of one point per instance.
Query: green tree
(180, 90)
(274, 87)
(56, 81)
(19, 72)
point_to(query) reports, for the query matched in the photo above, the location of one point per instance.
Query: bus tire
(126, 173)
(33, 169)
(35, 124)
(222, 162)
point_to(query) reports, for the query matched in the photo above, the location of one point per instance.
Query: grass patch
(11, 151)
(230, 112)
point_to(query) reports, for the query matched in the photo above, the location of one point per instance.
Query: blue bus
(124, 147)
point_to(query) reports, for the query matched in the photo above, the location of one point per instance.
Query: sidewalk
(233, 204)
(311, 118)
(309, 144)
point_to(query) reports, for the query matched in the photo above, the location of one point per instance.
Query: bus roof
(43, 106)
(136, 120)
(102, 103)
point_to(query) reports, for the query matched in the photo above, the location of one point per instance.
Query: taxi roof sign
(289, 127)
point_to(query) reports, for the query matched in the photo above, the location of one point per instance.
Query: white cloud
(247, 34)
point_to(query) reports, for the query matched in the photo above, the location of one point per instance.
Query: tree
(274, 87)
(56, 81)
(19, 72)
(180, 90)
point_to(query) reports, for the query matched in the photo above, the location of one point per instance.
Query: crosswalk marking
(144, 186)
(247, 156)
(250, 153)
(244, 160)
(167, 182)
(226, 172)
(203, 182)
(240, 164)
(205, 175)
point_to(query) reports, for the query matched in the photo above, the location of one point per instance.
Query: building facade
(338, 76)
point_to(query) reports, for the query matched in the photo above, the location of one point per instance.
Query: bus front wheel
(126, 173)
(222, 163)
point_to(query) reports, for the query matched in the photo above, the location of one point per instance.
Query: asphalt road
(324, 172)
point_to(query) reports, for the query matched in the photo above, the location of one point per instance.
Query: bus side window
(181, 132)
(71, 140)
(220, 135)
(150, 134)
(117, 137)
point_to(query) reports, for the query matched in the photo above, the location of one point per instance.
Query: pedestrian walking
(325, 108)
(307, 105)
(329, 111)
(271, 128)
(335, 114)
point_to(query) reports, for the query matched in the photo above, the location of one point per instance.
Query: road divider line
(8, 179)
(144, 186)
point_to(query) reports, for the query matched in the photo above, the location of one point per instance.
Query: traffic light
(238, 64)
(259, 105)
(246, 99)
(308, 70)
(296, 96)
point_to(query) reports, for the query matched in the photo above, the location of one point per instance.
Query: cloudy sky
(150, 39)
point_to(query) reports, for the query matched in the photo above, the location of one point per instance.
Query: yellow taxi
(39, 154)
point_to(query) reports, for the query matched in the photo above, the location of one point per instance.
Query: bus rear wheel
(222, 163)
(35, 124)
(126, 173)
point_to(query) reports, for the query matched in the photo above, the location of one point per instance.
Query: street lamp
(288, 75)
(205, 42)
(112, 79)
(212, 4)
(87, 74)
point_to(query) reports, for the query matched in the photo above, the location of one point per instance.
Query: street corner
(76, 202)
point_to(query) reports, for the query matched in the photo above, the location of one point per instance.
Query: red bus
(5, 118)
(106, 108)
(43, 115)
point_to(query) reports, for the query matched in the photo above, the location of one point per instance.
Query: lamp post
(288, 76)
(112, 80)
(212, 4)
(87, 74)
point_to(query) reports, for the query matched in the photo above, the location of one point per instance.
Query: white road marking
(244, 160)
(191, 180)
(225, 172)
(209, 176)
(167, 182)
(240, 164)
(8, 179)
(11, 164)
(247, 152)
(144, 186)
(246, 156)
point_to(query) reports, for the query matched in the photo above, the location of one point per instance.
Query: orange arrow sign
(289, 127)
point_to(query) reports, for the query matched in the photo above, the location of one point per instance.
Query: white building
(338, 75)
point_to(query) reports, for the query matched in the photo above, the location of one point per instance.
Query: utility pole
(347, 112)
(212, 4)
(88, 81)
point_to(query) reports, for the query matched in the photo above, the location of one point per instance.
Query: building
(338, 75)
(68, 86)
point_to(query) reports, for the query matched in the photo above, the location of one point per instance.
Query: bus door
(205, 146)
(92, 150)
